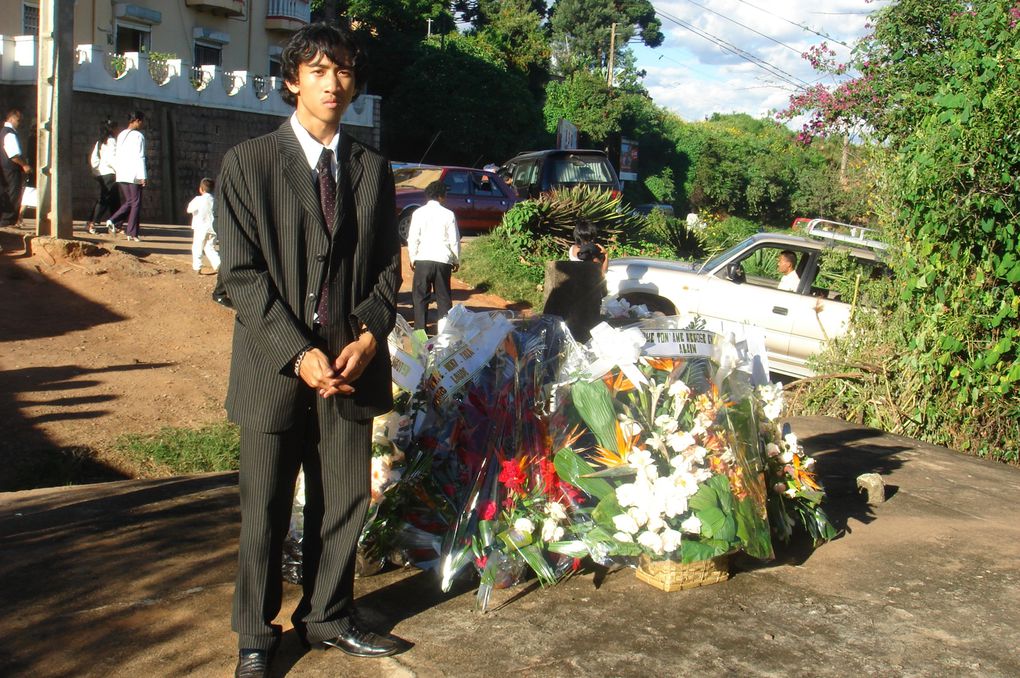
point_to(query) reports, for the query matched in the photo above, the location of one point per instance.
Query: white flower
(656, 441)
(666, 423)
(808, 462)
(703, 421)
(524, 526)
(679, 388)
(639, 514)
(729, 457)
(629, 427)
(624, 523)
(554, 510)
(687, 482)
(698, 454)
(624, 537)
(651, 541)
(791, 440)
(692, 525)
(790, 492)
(641, 461)
(681, 441)
(786, 457)
(551, 531)
(772, 450)
(629, 494)
(773, 410)
(670, 540)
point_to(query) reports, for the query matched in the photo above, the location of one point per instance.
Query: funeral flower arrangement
(515, 451)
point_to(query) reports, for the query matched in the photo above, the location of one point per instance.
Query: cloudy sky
(694, 76)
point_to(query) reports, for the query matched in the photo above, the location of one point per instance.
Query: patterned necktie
(327, 198)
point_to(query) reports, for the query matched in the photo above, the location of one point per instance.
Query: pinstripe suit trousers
(336, 454)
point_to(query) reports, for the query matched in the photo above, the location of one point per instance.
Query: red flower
(480, 561)
(487, 509)
(512, 475)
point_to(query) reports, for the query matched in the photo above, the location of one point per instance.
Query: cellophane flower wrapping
(795, 497)
(495, 495)
(669, 462)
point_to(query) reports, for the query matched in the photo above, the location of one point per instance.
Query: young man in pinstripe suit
(311, 261)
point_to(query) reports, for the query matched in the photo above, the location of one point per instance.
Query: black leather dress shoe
(359, 643)
(223, 300)
(253, 664)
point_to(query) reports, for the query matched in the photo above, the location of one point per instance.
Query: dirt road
(110, 337)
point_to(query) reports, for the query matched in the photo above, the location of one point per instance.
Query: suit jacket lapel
(298, 174)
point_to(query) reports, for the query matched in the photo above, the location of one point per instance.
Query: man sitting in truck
(788, 268)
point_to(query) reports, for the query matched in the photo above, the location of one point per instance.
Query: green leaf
(595, 405)
(606, 509)
(694, 550)
(574, 470)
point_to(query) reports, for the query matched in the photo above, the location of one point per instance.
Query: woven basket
(669, 575)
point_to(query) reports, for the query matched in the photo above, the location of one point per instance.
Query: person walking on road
(101, 160)
(203, 233)
(13, 169)
(433, 247)
(306, 218)
(131, 177)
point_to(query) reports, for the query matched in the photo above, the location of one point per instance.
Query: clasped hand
(336, 377)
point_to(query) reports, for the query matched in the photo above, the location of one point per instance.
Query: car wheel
(652, 302)
(404, 225)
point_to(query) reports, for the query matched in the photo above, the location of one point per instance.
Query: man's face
(323, 89)
(15, 120)
(785, 266)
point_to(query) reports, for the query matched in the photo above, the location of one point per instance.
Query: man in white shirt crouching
(433, 247)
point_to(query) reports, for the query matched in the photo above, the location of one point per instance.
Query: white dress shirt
(433, 235)
(12, 147)
(129, 160)
(201, 210)
(312, 148)
(790, 282)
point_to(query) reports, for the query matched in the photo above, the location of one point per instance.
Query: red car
(478, 198)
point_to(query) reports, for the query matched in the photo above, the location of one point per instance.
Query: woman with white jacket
(101, 159)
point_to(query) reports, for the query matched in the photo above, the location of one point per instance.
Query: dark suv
(537, 172)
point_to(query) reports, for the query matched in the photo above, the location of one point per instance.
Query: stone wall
(183, 144)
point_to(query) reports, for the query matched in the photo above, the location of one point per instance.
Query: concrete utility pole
(612, 53)
(53, 104)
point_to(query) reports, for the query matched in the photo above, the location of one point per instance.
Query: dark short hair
(435, 190)
(14, 110)
(585, 232)
(137, 115)
(335, 42)
(207, 184)
(790, 256)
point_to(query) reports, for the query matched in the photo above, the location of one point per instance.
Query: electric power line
(802, 26)
(772, 70)
(734, 21)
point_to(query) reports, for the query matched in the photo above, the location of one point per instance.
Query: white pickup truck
(742, 285)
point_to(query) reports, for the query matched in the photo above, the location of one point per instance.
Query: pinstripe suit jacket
(276, 252)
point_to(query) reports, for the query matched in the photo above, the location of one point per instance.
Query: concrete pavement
(134, 578)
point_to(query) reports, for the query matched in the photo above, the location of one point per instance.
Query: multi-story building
(205, 72)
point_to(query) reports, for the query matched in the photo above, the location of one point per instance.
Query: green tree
(585, 100)
(943, 362)
(437, 110)
(581, 30)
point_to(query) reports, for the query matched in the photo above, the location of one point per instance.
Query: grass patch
(488, 264)
(176, 451)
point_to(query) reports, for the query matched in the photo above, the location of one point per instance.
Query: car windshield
(417, 177)
(579, 169)
(718, 259)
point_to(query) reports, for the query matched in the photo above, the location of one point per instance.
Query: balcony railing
(218, 7)
(287, 15)
(166, 79)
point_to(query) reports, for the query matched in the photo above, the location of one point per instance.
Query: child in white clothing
(201, 210)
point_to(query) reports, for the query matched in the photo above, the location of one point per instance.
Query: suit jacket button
(311, 295)
(320, 257)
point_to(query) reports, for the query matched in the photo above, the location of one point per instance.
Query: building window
(207, 54)
(29, 19)
(275, 69)
(131, 39)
